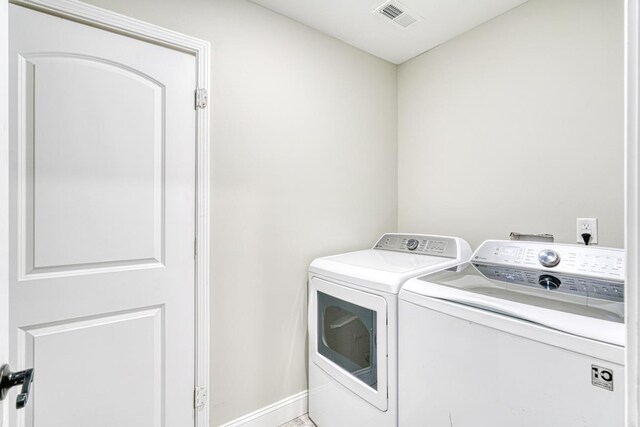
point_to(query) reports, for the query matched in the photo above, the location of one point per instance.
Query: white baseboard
(275, 414)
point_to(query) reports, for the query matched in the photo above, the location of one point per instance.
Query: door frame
(632, 209)
(110, 21)
(4, 194)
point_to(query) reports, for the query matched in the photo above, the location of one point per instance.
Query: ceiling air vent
(398, 13)
(391, 12)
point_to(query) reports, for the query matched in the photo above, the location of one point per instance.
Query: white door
(102, 223)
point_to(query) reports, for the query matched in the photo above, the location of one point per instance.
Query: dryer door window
(347, 337)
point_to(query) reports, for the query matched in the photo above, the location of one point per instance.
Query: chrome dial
(549, 282)
(549, 258)
(412, 244)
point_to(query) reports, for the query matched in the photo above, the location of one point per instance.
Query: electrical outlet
(587, 225)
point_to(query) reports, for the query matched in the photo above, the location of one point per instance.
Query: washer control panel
(419, 244)
(592, 261)
(556, 282)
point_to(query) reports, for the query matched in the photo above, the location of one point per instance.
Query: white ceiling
(353, 22)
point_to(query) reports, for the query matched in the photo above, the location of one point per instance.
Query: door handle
(10, 379)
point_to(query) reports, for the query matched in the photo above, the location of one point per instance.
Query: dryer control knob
(412, 244)
(549, 258)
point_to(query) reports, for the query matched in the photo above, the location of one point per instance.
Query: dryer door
(348, 336)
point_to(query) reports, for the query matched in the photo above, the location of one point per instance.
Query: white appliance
(524, 334)
(353, 326)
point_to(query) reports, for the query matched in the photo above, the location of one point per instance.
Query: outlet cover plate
(588, 225)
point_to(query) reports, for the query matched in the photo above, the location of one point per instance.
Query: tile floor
(302, 421)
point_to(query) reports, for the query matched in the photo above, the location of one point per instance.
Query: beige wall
(517, 125)
(513, 126)
(304, 134)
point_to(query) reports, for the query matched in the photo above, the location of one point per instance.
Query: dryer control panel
(589, 261)
(419, 244)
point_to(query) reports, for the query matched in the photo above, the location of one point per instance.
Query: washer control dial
(549, 258)
(412, 244)
(549, 282)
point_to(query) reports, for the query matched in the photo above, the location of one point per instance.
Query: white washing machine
(353, 326)
(524, 334)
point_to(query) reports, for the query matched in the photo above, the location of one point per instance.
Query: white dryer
(353, 367)
(524, 334)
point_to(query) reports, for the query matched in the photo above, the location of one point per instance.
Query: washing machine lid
(582, 306)
(381, 270)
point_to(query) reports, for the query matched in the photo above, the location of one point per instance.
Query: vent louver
(391, 12)
(398, 13)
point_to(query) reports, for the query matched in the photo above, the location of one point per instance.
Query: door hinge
(199, 397)
(202, 98)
